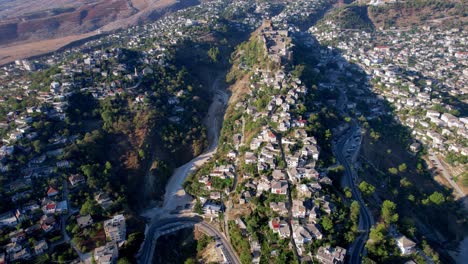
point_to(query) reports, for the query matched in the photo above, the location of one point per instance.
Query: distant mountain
(34, 27)
(385, 14)
(42, 19)
(444, 13)
(23, 21)
(352, 17)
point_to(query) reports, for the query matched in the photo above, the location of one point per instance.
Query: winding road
(170, 225)
(175, 196)
(346, 155)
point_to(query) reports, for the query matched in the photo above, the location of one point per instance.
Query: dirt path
(175, 195)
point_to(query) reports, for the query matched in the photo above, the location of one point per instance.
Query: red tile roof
(52, 191)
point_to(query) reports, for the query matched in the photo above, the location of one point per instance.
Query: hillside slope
(45, 30)
(59, 21)
(447, 13)
(400, 15)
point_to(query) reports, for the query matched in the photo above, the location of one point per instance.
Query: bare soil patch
(140, 4)
(26, 50)
(150, 10)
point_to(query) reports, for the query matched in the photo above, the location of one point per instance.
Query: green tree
(89, 170)
(123, 261)
(141, 154)
(75, 230)
(405, 183)
(348, 192)
(90, 207)
(374, 135)
(197, 208)
(464, 177)
(355, 208)
(393, 171)
(366, 188)
(380, 245)
(402, 167)
(389, 214)
(213, 53)
(377, 234)
(37, 145)
(430, 252)
(328, 134)
(408, 226)
(188, 261)
(327, 223)
(107, 167)
(437, 198)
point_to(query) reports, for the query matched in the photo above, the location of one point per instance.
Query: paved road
(366, 220)
(173, 224)
(227, 249)
(346, 150)
(145, 256)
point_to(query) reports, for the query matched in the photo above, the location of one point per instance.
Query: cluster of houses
(295, 13)
(414, 75)
(51, 104)
(44, 216)
(41, 208)
(184, 24)
(281, 154)
(299, 153)
(47, 217)
(107, 74)
(106, 78)
(416, 71)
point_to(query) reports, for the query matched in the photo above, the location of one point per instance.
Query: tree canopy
(389, 215)
(366, 188)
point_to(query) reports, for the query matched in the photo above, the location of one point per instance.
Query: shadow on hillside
(385, 146)
(176, 247)
(192, 56)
